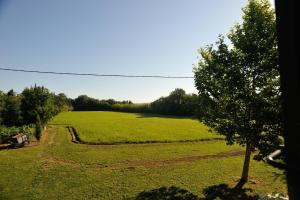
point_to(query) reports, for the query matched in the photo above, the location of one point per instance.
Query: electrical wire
(92, 74)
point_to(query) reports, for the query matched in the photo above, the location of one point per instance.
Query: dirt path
(144, 163)
(48, 136)
(188, 159)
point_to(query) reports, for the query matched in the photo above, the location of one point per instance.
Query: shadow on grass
(58, 124)
(166, 193)
(3, 196)
(220, 192)
(152, 115)
(280, 176)
(9, 147)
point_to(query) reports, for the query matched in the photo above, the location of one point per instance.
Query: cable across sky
(92, 74)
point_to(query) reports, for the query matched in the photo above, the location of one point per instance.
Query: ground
(56, 168)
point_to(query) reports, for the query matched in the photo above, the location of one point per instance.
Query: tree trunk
(245, 172)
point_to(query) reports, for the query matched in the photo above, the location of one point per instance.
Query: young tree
(38, 127)
(239, 85)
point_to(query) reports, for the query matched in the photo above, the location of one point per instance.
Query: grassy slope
(59, 169)
(108, 127)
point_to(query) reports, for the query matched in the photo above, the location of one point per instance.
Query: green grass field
(117, 127)
(56, 168)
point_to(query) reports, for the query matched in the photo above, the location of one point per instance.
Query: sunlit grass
(117, 127)
(60, 169)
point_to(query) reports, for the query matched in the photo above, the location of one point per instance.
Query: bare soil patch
(143, 163)
(159, 163)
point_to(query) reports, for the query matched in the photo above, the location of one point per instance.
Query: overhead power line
(91, 74)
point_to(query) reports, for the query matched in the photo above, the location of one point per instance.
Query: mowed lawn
(56, 168)
(118, 127)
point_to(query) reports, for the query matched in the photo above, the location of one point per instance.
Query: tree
(190, 106)
(239, 85)
(177, 103)
(62, 103)
(84, 102)
(11, 113)
(37, 102)
(111, 101)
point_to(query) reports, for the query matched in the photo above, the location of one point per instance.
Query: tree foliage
(239, 84)
(37, 102)
(11, 113)
(177, 103)
(62, 103)
(85, 103)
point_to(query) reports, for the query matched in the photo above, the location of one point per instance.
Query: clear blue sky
(139, 37)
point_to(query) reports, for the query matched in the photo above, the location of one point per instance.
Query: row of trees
(177, 103)
(34, 104)
(85, 103)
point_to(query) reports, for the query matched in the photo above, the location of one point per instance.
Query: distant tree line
(86, 103)
(177, 103)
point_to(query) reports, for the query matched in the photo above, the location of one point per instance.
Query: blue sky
(139, 37)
